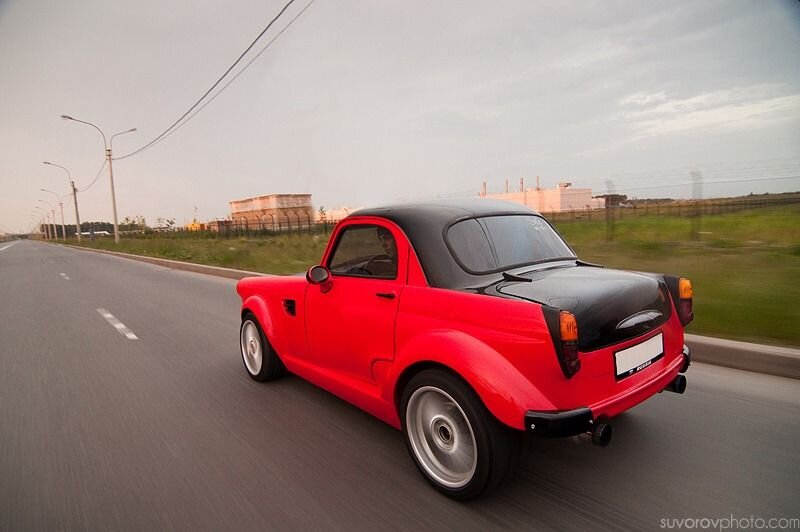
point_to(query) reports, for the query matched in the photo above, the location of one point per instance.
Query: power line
(99, 172)
(184, 115)
(214, 97)
(629, 180)
(721, 181)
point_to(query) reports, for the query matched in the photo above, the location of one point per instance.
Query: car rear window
(495, 243)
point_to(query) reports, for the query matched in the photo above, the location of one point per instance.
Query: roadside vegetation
(744, 266)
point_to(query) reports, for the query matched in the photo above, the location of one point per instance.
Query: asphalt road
(99, 431)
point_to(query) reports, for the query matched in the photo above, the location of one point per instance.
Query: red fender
(506, 392)
(258, 306)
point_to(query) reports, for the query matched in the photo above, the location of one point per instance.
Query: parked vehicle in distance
(465, 324)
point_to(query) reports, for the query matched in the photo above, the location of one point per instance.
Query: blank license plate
(635, 359)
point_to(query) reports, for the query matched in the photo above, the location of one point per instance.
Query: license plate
(636, 358)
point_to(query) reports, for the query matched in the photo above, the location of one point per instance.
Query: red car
(466, 324)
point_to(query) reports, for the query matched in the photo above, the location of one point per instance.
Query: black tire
(260, 360)
(443, 418)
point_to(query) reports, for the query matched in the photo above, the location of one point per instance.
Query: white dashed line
(8, 246)
(118, 325)
(65, 276)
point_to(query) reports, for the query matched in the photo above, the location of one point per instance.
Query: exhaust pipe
(678, 385)
(601, 434)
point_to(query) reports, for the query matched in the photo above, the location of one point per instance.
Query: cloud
(749, 106)
(643, 98)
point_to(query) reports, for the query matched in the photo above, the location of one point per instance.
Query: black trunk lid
(610, 305)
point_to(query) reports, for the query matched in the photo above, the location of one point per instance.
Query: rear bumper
(582, 420)
(557, 424)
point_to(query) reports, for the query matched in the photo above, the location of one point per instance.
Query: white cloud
(750, 106)
(643, 98)
(595, 56)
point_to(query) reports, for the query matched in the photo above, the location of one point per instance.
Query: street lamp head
(67, 117)
(46, 162)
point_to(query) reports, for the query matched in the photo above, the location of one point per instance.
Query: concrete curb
(216, 271)
(772, 360)
(780, 361)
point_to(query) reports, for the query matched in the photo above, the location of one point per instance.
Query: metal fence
(231, 229)
(672, 208)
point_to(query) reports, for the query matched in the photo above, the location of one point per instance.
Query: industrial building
(562, 198)
(273, 211)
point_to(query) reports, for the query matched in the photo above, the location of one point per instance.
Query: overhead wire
(782, 168)
(702, 182)
(214, 97)
(99, 173)
(216, 83)
(712, 173)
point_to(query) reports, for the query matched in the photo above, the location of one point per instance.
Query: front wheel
(455, 442)
(260, 359)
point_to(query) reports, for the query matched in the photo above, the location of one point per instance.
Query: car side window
(365, 251)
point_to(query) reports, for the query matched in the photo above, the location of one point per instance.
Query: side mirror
(318, 275)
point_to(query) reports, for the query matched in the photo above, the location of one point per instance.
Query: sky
(371, 102)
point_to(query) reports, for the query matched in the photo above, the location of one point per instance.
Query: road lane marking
(65, 276)
(8, 246)
(118, 325)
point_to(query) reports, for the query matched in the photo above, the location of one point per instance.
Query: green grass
(744, 267)
(279, 254)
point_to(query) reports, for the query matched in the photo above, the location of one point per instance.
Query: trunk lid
(610, 305)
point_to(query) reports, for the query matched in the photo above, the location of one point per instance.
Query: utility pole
(697, 195)
(113, 196)
(107, 146)
(74, 198)
(61, 205)
(54, 234)
(77, 217)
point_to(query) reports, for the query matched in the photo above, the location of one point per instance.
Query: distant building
(562, 198)
(194, 225)
(334, 215)
(219, 226)
(273, 211)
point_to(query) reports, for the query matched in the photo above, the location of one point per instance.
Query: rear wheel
(456, 443)
(260, 359)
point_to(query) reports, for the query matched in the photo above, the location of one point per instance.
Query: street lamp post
(53, 212)
(74, 198)
(37, 227)
(107, 146)
(61, 206)
(43, 221)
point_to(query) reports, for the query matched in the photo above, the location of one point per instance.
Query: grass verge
(745, 267)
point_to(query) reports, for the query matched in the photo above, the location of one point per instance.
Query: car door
(350, 322)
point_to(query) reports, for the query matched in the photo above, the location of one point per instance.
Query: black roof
(425, 225)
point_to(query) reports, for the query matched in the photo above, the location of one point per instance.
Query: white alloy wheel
(252, 351)
(441, 437)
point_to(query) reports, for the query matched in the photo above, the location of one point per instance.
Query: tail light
(680, 289)
(685, 294)
(568, 326)
(564, 330)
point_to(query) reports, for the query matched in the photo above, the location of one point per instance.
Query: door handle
(386, 295)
